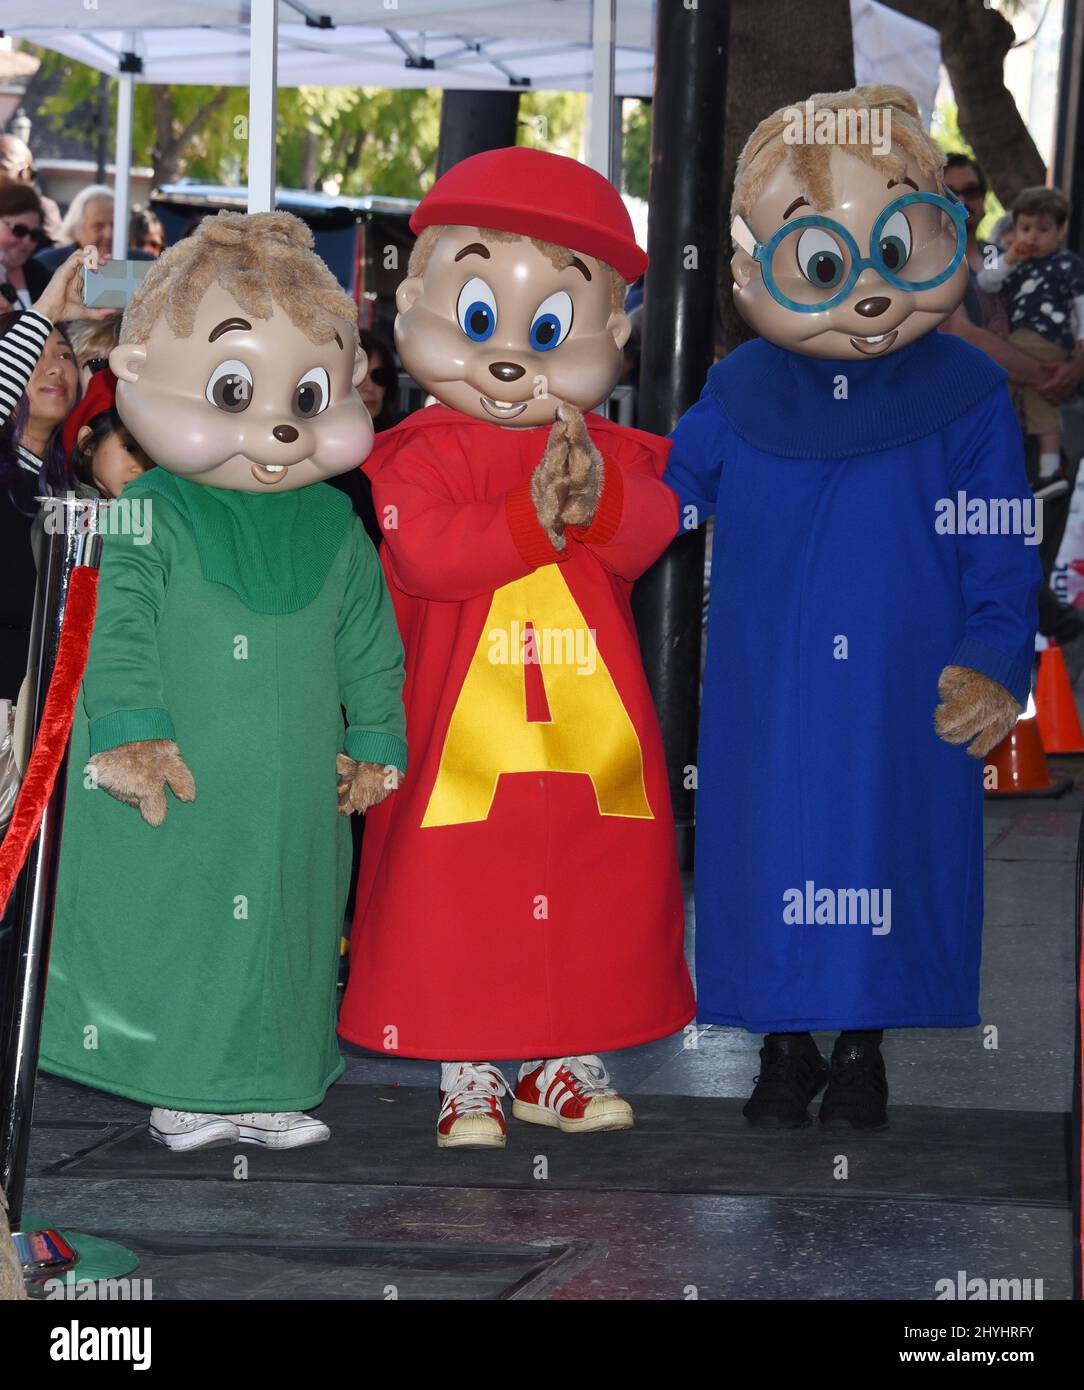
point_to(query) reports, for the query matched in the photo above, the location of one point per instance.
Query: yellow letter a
(589, 730)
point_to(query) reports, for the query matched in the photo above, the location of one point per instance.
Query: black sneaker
(792, 1073)
(857, 1094)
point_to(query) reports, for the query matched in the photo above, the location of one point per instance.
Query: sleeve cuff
(129, 726)
(375, 746)
(530, 538)
(603, 525)
(32, 317)
(1012, 673)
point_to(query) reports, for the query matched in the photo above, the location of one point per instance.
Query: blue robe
(840, 589)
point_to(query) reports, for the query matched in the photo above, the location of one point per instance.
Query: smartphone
(113, 286)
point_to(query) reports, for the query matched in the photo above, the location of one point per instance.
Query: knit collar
(795, 406)
(274, 550)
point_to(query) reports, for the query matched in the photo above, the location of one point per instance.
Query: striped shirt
(20, 351)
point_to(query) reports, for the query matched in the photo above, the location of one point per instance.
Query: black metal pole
(104, 126)
(678, 345)
(472, 122)
(1069, 129)
(36, 886)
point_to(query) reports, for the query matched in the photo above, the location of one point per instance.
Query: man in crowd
(982, 320)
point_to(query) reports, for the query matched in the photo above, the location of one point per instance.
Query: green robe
(194, 965)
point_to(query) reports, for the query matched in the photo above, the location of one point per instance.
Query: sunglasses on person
(21, 230)
(382, 376)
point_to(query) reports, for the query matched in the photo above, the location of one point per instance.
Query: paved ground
(398, 1234)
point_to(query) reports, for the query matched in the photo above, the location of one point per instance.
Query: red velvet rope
(56, 724)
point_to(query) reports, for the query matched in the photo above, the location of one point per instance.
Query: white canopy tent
(603, 47)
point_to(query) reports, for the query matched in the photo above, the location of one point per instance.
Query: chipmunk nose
(871, 308)
(506, 371)
(285, 434)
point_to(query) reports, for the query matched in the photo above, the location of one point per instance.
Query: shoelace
(592, 1077)
(474, 1089)
(184, 1117)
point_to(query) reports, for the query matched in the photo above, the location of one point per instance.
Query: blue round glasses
(820, 259)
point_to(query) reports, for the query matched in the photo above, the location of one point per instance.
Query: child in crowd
(101, 450)
(1044, 286)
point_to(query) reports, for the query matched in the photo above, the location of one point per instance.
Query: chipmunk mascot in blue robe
(873, 608)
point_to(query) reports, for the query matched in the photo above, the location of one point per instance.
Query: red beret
(534, 193)
(101, 394)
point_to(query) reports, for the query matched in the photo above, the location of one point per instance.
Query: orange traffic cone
(1059, 723)
(1017, 766)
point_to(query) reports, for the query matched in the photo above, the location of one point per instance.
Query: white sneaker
(181, 1130)
(471, 1115)
(281, 1129)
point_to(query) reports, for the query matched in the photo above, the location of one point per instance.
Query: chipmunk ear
(620, 326)
(126, 359)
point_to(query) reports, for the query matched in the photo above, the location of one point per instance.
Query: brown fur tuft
(973, 707)
(261, 259)
(138, 774)
(558, 256)
(766, 148)
(364, 785)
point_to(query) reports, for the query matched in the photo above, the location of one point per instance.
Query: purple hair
(56, 473)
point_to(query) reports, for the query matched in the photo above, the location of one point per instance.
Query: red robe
(519, 894)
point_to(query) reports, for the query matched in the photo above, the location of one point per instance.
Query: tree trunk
(308, 160)
(171, 144)
(804, 58)
(974, 42)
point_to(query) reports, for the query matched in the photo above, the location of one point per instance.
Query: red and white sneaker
(572, 1094)
(471, 1116)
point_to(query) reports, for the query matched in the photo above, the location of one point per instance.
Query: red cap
(101, 394)
(534, 193)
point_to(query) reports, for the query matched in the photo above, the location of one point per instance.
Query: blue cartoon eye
(552, 322)
(476, 309)
(819, 258)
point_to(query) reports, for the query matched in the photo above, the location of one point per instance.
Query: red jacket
(519, 894)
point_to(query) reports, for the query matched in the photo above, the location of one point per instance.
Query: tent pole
(130, 64)
(603, 33)
(262, 103)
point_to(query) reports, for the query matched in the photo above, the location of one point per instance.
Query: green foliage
(365, 140)
(554, 121)
(368, 140)
(946, 131)
(636, 154)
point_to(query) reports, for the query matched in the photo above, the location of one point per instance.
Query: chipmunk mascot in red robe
(519, 897)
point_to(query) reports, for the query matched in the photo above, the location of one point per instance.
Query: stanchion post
(76, 542)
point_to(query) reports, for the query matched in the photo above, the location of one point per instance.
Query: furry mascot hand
(973, 707)
(567, 484)
(364, 785)
(138, 774)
